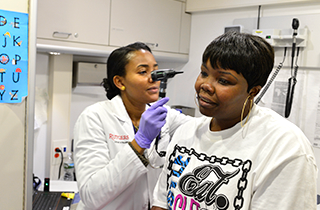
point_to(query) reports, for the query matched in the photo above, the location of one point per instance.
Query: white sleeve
(290, 186)
(101, 178)
(176, 119)
(160, 190)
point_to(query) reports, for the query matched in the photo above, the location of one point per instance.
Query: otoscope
(292, 80)
(163, 75)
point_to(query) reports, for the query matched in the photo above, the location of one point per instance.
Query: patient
(241, 155)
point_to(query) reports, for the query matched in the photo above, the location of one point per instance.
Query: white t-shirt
(267, 165)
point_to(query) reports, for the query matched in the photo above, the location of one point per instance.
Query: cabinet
(185, 31)
(157, 23)
(74, 21)
(205, 5)
(95, 28)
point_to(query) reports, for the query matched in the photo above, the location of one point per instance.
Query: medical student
(119, 149)
(240, 156)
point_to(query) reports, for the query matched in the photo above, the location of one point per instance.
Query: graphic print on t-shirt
(209, 182)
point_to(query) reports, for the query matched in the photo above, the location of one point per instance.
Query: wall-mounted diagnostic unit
(293, 38)
(283, 37)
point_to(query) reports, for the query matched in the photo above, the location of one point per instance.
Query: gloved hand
(151, 123)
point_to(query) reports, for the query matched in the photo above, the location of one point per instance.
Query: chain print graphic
(195, 185)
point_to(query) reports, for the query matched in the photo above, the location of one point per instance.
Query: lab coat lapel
(119, 109)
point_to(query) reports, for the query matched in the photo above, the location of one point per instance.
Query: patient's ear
(255, 91)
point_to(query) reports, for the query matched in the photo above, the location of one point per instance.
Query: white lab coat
(109, 174)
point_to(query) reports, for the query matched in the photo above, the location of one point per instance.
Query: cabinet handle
(58, 34)
(152, 45)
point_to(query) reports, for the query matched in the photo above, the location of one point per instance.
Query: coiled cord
(272, 77)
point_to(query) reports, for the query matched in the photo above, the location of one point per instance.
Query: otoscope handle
(163, 86)
(162, 94)
(291, 84)
(292, 81)
(293, 52)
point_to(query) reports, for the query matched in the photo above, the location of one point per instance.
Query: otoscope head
(295, 23)
(163, 74)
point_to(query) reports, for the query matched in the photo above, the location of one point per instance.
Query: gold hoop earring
(195, 99)
(243, 108)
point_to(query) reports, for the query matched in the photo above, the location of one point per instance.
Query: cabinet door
(185, 31)
(155, 22)
(74, 20)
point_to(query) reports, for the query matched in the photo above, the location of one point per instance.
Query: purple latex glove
(151, 123)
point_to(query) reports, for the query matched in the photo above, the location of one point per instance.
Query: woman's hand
(151, 123)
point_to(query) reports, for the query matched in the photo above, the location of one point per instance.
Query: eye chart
(13, 56)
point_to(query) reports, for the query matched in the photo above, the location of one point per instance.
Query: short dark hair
(247, 54)
(116, 64)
